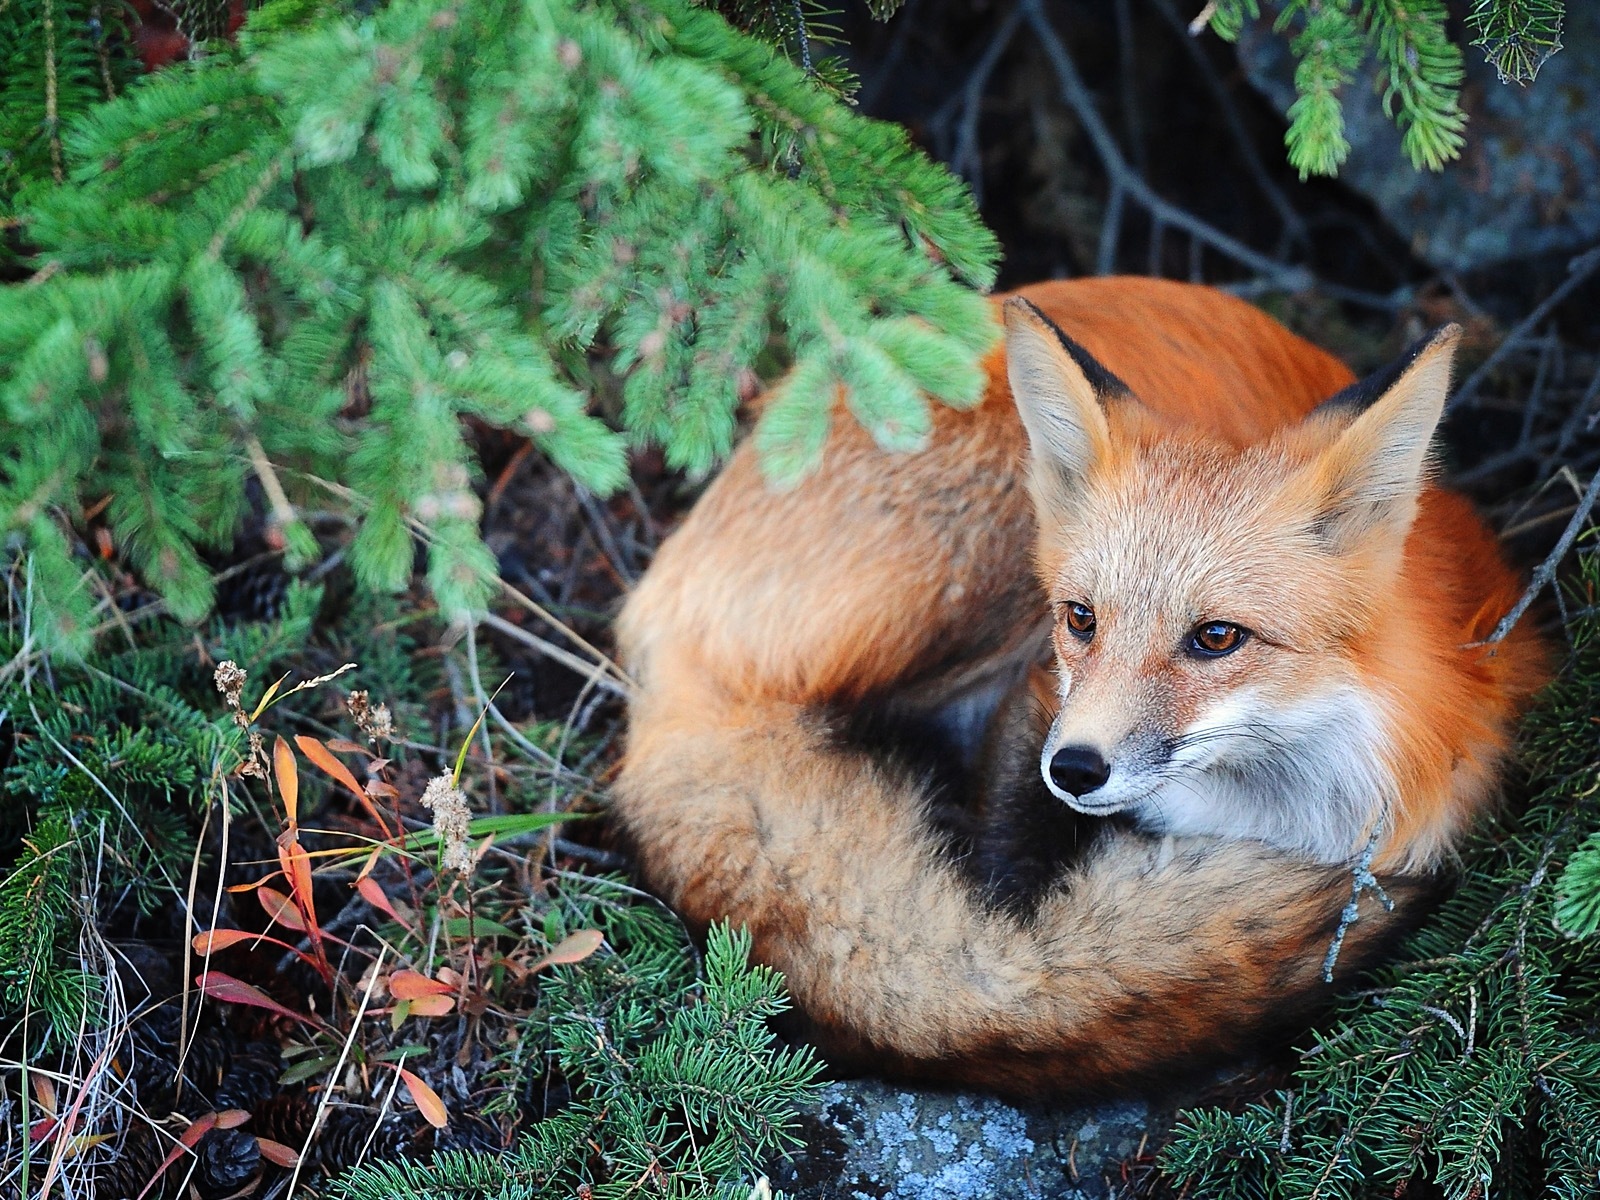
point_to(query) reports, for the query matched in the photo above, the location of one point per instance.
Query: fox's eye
(1080, 619)
(1216, 638)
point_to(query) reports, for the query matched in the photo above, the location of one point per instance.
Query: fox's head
(1210, 602)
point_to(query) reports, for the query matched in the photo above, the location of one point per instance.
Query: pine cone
(252, 1076)
(284, 1118)
(345, 1134)
(253, 594)
(156, 1040)
(228, 1160)
(135, 1164)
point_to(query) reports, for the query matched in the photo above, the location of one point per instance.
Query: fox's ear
(1370, 477)
(1061, 392)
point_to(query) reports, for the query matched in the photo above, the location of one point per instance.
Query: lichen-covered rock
(872, 1141)
(1528, 181)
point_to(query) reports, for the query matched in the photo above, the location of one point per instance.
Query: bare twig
(1578, 272)
(589, 670)
(1075, 94)
(966, 160)
(1293, 224)
(1128, 96)
(1546, 571)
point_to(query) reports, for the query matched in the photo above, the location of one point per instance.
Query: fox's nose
(1078, 770)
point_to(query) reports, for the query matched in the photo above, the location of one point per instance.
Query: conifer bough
(307, 258)
(1418, 68)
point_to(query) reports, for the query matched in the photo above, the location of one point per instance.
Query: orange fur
(908, 580)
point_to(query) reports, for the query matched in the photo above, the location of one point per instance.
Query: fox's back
(1199, 358)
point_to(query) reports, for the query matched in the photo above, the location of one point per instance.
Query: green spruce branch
(1418, 67)
(315, 255)
(676, 1082)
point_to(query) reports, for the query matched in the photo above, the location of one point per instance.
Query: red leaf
(281, 909)
(297, 869)
(323, 758)
(277, 1152)
(375, 896)
(575, 947)
(198, 1128)
(236, 991)
(411, 985)
(232, 1118)
(426, 1099)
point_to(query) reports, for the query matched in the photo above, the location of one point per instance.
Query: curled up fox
(1039, 759)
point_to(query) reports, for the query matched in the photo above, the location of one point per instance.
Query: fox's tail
(1150, 955)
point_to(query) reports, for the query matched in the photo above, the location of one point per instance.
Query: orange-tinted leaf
(426, 1099)
(297, 869)
(575, 947)
(410, 985)
(232, 1118)
(382, 790)
(250, 887)
(44, 1091)
(324, 759)
(87, 1141)
(372, 861)
(343, 746)
(432, 1006)
(283, 765)
(220, 939)
(277, 1152)
(281, 909)
(236, 991)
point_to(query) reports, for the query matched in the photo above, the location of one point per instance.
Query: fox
(1178, 623)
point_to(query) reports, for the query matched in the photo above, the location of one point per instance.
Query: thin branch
(1578, 271)
(1546, 571)
(1294, 225)
(589, 670)
(967, 160)
(1075, 94)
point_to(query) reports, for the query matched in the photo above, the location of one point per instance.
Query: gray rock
(1528, 181)
(871, 1141)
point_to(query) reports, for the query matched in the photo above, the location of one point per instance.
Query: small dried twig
(1578, 271)
(967, 160)
(1361, 880)
(1546, 570)
(1124, 179)
(1294, 225)
(589, 670)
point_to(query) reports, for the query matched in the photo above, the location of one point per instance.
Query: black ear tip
(1364, 393)
(1020, 312)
